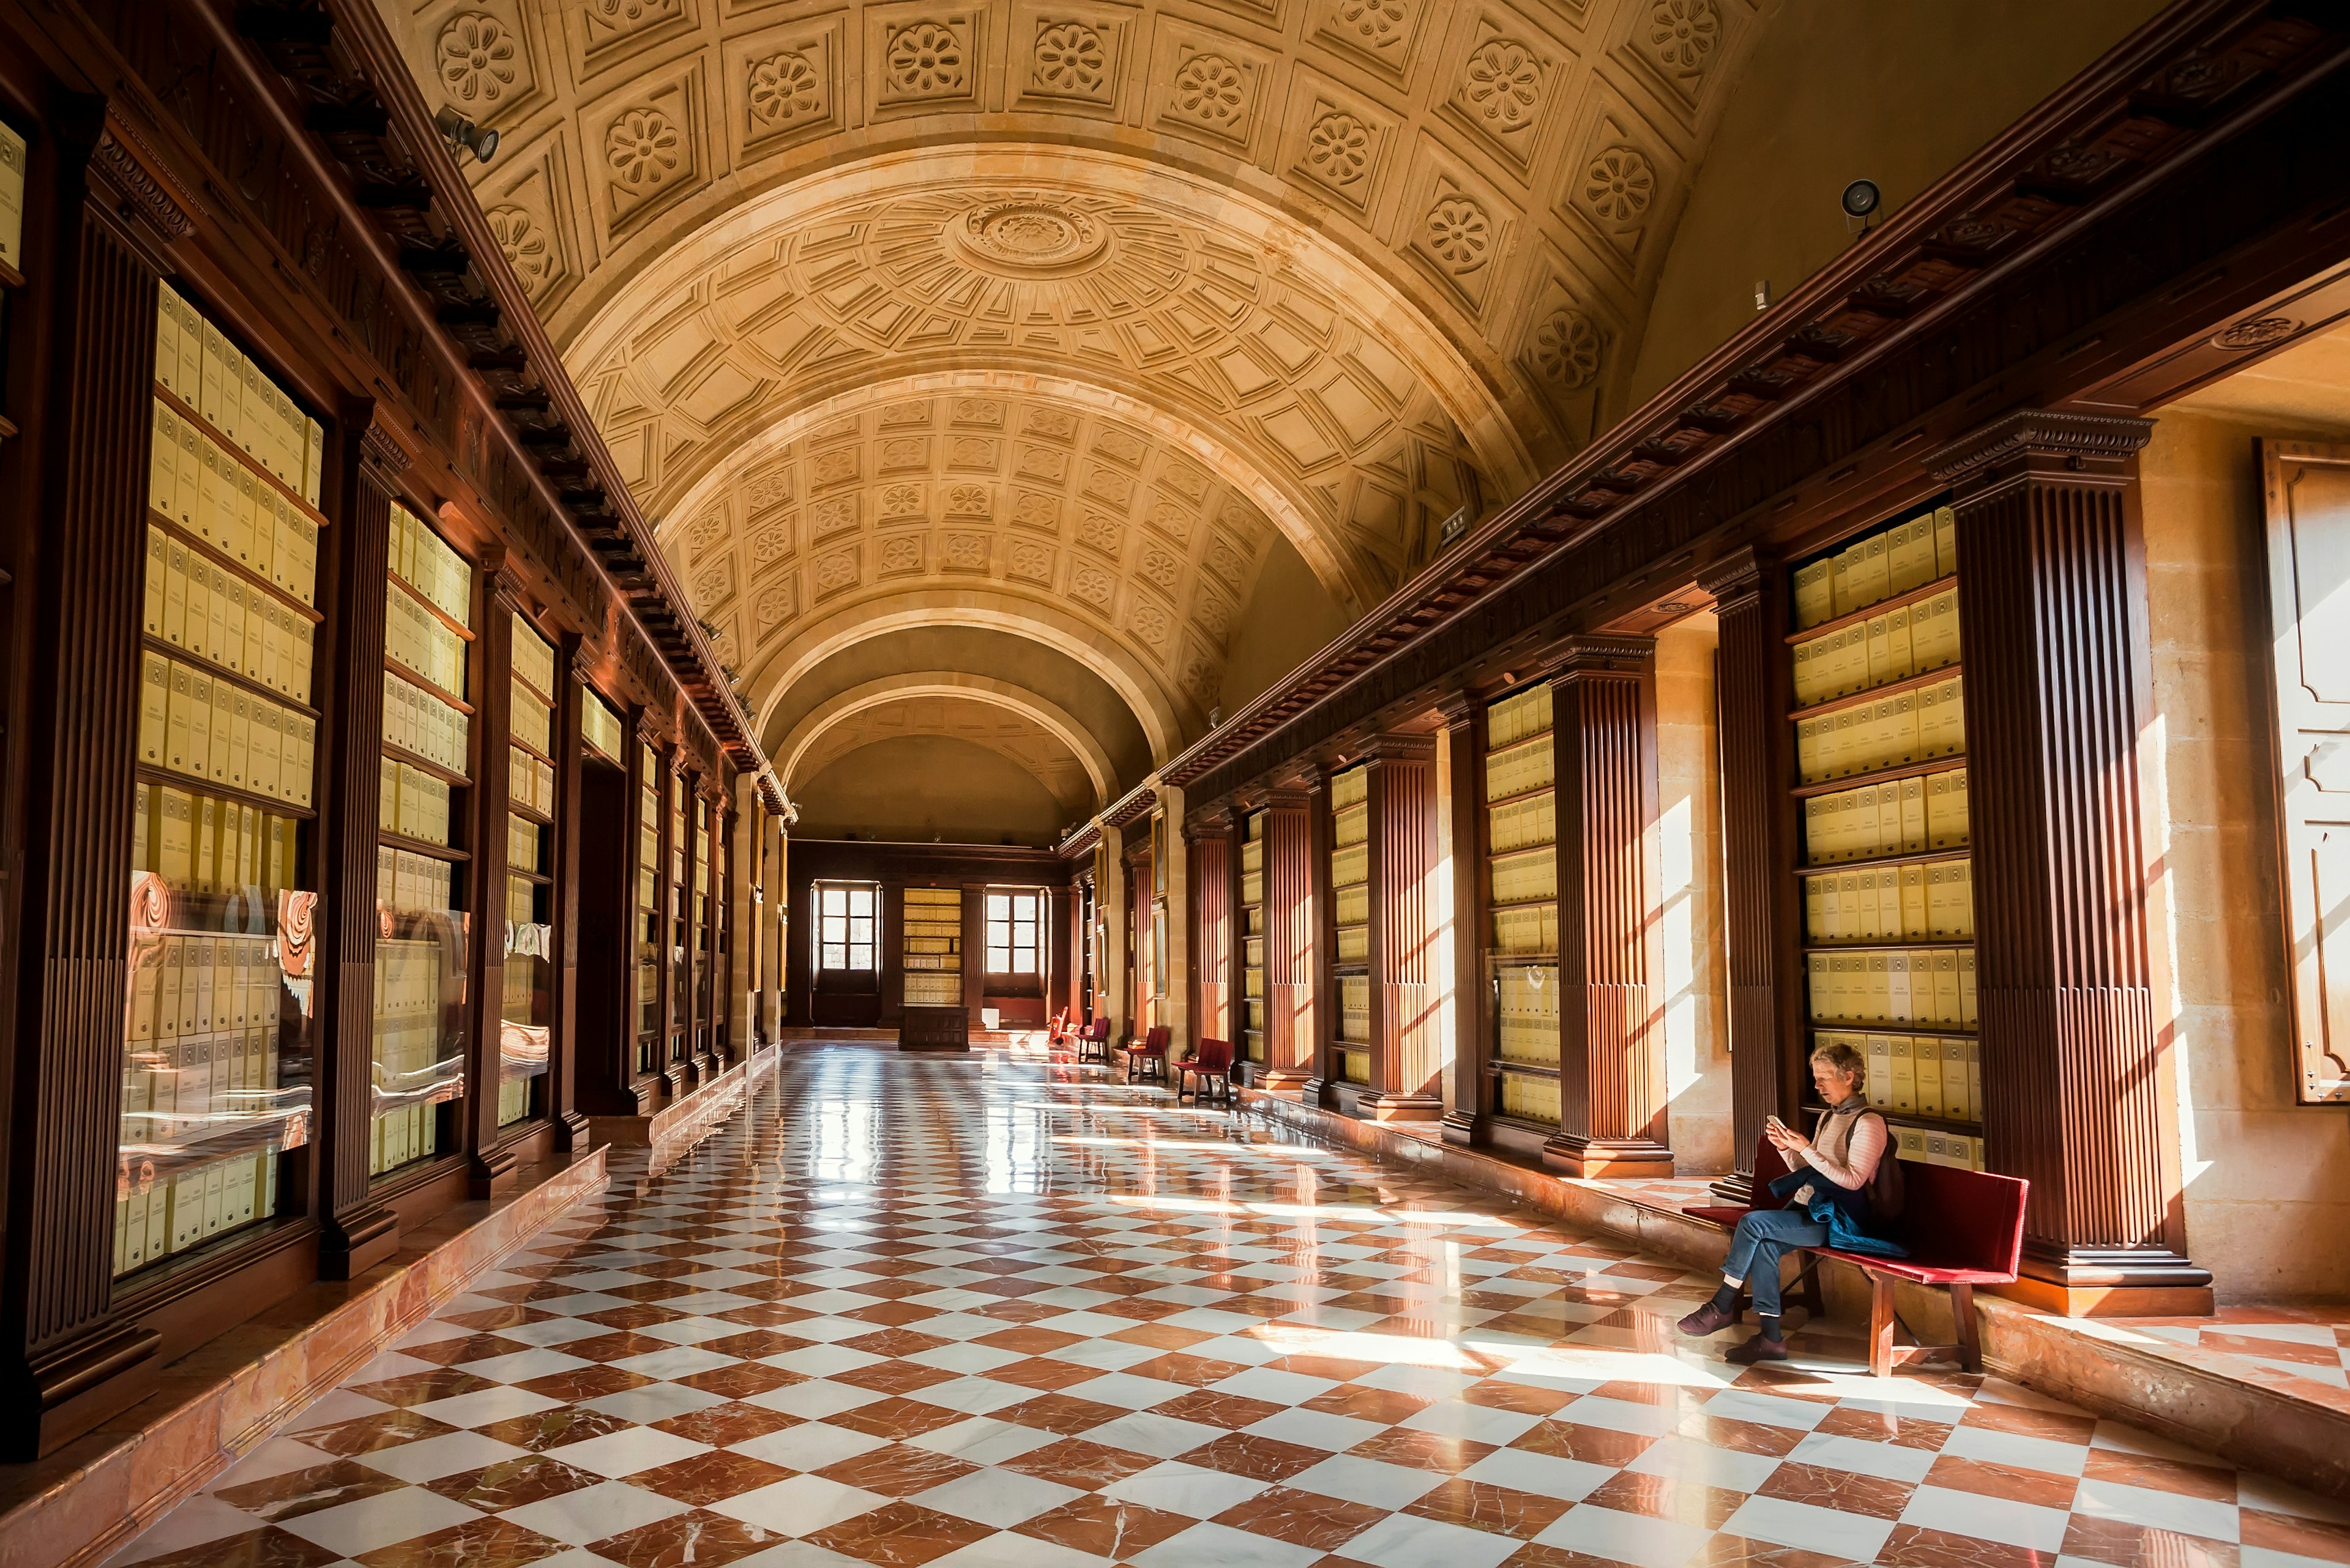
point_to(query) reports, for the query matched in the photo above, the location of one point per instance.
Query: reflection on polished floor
(984, 1311)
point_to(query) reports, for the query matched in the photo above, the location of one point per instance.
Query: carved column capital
(1457, 709)
(1393, 748)
(1599, 654)
(2081, 445)
(1739, 578)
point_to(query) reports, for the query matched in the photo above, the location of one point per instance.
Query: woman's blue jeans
(1755, 1248)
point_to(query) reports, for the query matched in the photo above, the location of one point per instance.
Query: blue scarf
(1844, 1210)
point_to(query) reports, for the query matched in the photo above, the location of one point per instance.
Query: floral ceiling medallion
(1030, 237)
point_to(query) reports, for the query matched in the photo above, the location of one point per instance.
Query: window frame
(1011, 922)
(848, 942)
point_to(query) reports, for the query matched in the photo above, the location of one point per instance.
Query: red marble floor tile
(1217, 1409)
(1162, 1336)
(1420, 1450)
(615, 1346)
(1095, 1524)
(1846, 1491)
(1664, 1497)
(896, 1417)
(423, 1388)
(582, 1383)
(1192, 1371)
(2126, 1545)
(1524, 1398)
(2295, 1536)
(2055, 1426)
(485, 1543)
(1532, 1554)
(551, 1428)
(740, 1380)
(900, 1469)
(900, 1535)
(638, 1314)
(2211, 1482)
(765, 1314)
(891, 1341)
(1072, 1461)
(1302, 1518)
(298, 1492)
(1480, 1505)
(369, 1433)
(1027, 1339)
(896, 1377)
(1061, 1413)
(1384, 1405)
(1257, 1457)
(512, 1483)
(468, 1347)
(2043, 1489)
(1041, 1372)
(1882, 1426)
(695, 1539)
(753, 1344)
(1736, 1551)
(714, 1477)
(1914, 1546)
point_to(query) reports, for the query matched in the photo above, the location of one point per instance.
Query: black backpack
(1887, 1192)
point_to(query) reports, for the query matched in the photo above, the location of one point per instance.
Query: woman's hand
(1786, 1139)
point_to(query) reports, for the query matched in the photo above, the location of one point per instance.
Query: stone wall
(1691, 935)
(2267, 1182)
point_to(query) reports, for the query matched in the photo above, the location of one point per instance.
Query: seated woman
(1827, 1193)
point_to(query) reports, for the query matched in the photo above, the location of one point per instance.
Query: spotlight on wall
(464, 134)
(1860, 201)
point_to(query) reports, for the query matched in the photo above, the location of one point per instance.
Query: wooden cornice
(344, 78)
(1081, 843)
(1901, 334)
(1132, 807)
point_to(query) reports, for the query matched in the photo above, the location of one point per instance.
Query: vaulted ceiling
(1067, 321)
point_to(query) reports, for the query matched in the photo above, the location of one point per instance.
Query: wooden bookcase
(1350, 903)
(1522, 904)
(647, 915)
(1884, 858)
(526, 1005)
(1252, 907)
(430, 750)
(218, 1033)
(930, 943)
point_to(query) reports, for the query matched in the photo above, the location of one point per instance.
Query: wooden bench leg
(1962, 1309)
(1880, 1325)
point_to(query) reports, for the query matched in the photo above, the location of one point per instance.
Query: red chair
(1151, 1054)
(1057, 1030)
(1210, 1060)
(1962, 1229)
(1093, 1042)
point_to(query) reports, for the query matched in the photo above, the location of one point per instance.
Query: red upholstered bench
(1962, 1229)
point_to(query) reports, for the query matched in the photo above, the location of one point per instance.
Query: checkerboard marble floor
(984, 1312)
(2270, 1342)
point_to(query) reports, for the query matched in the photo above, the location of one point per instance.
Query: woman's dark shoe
(1707, 1319)
(1757, 1349)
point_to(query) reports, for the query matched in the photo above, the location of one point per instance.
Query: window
(1014, 921)
(844, 926)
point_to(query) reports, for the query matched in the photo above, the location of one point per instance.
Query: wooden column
(64, 1364)
(1214, 870)
(500, 594)
(1611, 1084)
(355, 1231)
(1406, 1040)
(563, 1066)
(975, 949)
(1464, 724)
(1292, 944)
(2078, 1092)
(1759, 851)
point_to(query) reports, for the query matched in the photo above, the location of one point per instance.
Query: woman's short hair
(1843, 1058)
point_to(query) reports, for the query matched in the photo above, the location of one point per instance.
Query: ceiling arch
(1029, 729)
(1067, 321)
(1161, 711)
(1244, 333)
(1517, 169)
